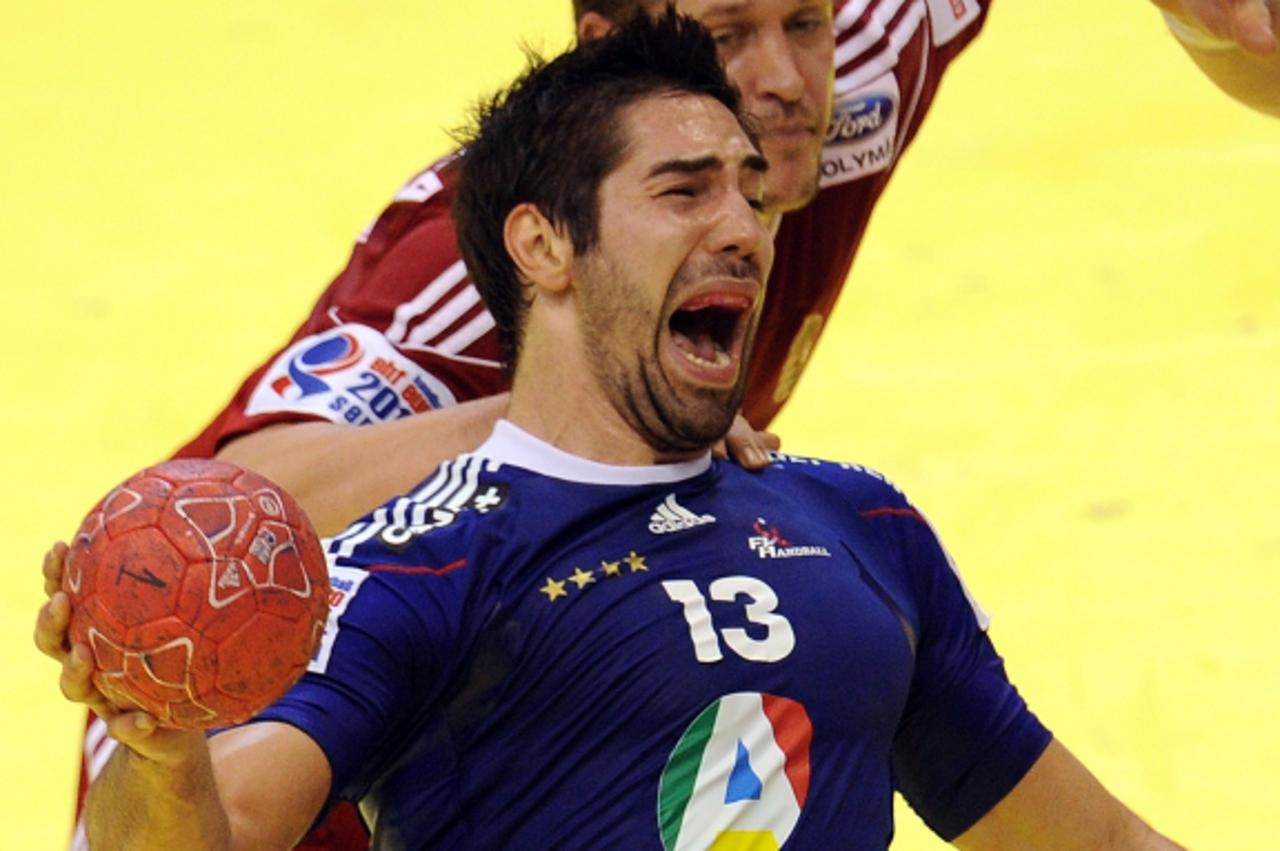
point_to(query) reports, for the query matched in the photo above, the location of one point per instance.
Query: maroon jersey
(890, 57)
(402, 330)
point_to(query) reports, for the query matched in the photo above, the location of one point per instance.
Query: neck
(573, 419)
(556, 398)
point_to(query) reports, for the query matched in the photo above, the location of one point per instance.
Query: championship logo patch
(862, 136)
(305, 371)
(344, 582)
(350, 374)
(738, 777)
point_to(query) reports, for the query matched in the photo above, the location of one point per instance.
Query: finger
(721, 450)
(52, 568)
(77, 675)
(132, 729)
(1214, 16)
(1206, 22)
(769, 440)
(143, 734)
(1252, 28)
(77, 684)
(747, 451)
(140, 733)
(51, 626)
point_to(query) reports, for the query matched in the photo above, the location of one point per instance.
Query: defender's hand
(1250, 24)
(746, 446)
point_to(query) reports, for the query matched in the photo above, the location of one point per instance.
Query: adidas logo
(671, 516)
(230, 578)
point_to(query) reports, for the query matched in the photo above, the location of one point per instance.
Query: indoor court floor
(1062, 339)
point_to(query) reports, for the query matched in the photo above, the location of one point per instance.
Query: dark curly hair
(555, 134)
(614, 10)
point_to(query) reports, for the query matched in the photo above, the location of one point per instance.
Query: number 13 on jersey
(778, 641)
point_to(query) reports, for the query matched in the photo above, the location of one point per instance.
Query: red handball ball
(202, 590)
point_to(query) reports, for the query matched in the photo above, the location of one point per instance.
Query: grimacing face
(781, 55)
(669, 297)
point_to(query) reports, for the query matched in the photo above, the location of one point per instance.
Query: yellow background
(1062, 342)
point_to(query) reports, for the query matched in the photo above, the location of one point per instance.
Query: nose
(739, 232)
(770, 67)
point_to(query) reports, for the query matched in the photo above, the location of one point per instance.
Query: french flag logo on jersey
(740, 774)
(328, 355)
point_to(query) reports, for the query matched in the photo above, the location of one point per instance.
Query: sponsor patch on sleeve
(344, 582)
(350, 375)
(862, 137)
(948, 18)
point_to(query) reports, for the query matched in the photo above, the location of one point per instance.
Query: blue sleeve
(379, 670)
(966, 737)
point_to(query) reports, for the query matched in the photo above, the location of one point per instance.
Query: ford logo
(860, 118)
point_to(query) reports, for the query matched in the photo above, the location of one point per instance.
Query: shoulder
(422, 552)
(423, 532)
(859, 487)
(867, 506)
(434, 186)
(896, 528)
(424, 199)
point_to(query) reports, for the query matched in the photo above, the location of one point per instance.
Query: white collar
(510, 444)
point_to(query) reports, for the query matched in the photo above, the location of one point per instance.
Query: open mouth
(709, 330)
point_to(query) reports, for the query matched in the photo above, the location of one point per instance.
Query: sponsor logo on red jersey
(863, 135)
(350, 374)
(329, 355)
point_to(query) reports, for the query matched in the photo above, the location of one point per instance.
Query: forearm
(337, 473)
(1060, 806)
(144, 804)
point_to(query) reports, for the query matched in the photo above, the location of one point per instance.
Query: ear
(542, 254)
(593, 25)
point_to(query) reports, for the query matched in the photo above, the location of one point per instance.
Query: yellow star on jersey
(636, 562)
(611, 568)
(581, 578)
(554, 589)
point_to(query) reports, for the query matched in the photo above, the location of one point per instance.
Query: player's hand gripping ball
(201, 589)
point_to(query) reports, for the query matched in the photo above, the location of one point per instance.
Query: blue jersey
(537, 651)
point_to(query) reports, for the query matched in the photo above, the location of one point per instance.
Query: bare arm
(1060, 806)
(1234, 43)
(254, 787)
(337, 472)
(141, 802)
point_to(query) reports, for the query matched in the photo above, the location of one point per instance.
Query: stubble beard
(668, 417)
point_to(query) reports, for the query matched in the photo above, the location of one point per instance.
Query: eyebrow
(754, 162)
(724, 8)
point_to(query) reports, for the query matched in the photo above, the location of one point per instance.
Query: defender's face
(781, 54)
(670, 295)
